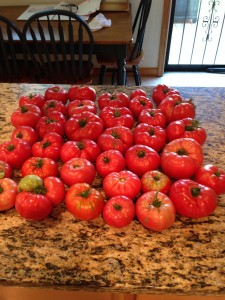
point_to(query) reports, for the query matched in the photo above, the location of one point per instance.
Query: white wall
(153, 31)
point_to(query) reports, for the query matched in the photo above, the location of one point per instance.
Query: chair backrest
(138, 27)
(61, 45)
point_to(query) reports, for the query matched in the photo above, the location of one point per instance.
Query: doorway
(196, 39)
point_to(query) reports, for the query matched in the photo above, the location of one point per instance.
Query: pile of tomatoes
(145, 153)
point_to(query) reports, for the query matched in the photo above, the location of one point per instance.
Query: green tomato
(29, 183)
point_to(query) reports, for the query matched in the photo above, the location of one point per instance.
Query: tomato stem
(1, 189)
(195, 191)
(85, 193)
(117, 206)
(141, 153)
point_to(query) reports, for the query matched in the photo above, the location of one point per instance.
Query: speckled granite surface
(62, 252)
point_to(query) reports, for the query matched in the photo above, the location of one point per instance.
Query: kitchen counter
(64, 253)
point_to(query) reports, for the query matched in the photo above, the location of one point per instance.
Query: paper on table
(32, 9)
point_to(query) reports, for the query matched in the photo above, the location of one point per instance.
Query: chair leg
(102, 74)
(137, 76)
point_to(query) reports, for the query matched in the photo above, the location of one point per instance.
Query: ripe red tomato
(191, 199)
(117, 116)
(155, 180)
(77, 170)
(33, 207)
(155, 211)
(53, 105)
(151, 136)
(186, 128)
(25, 133)
(109, 161)
(78, 106)
(117, 99)
(55, 190)
(137, 92)
(181, 158)
(124, 183)
(138, 104)
(160, 91)
(211, 176)
(36, 99)
(118, 211)
(84, 202)
(6, 170)
(118, 138)
(152, 116)
(47, 124)
(8, 193)
(42, 167)
(56, 93)
(26, 115)
(84, 92)
(141, 158)
(86, 125)
(15, 152)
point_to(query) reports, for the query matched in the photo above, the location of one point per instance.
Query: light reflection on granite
(63, 252)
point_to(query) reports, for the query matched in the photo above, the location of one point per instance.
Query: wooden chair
(61, 45)
(134, 51)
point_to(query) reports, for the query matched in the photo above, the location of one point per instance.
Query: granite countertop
(64, 253)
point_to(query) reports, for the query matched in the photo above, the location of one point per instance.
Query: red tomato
(42, 167)
(26, 115)
(86, 125)
(85, 149)
(25, 133)
(118, 211)
(56, 93)
(116, 116)
(117, 99)
(34, 207)
(181, 158)
(124, 183)
(84, 202)
(84, 92)
(137, 92)
(36, 99)
(161, 91)
(152, 136)
(109, 161)
(47, 124)
(191, 199)
(53, 105)
(211, 176)
(152, 116)
(155, 180)
(55, 189)
(78, 106)
(138, 104)
(141, 158)
(6, 170)
(77, 170)
(186, 128)
(155, 211)
(15, 152)
(8, 193)
(118, 138)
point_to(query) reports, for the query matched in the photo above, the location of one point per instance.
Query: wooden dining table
(108, 40)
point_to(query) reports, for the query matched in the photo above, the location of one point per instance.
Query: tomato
(160, 91)
(211, 176)
(77, 170)
(109, 161)
(33, 207)
(137, 92)
(8, 193)
(118, 138)
(155, 180)
(152, 136)
(26, 115)
(25, 133)
(53, 105)
(56, 93)
(47, 124)
(118, 211)
(6, 170)
(181, 158)
(29, 183)
(36, 99)
(152, 116)
(138, 104)
(186, 128)
(141, 158)
(42, 167)
(15, 152)
(117, 116)
(124, 183)
(116, 99)
(78, 106)
(86, 125)
(191, 199)
(85, 149)
(155, 211)
(176, 108)
(84, 202)
(54, 190)
(84, 92)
